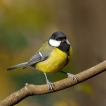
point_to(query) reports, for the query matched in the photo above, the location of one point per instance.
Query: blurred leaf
(85, 88)
(61, 104)
(12, 38)
(70, 103)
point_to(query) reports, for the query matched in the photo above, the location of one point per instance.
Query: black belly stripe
(66, 61)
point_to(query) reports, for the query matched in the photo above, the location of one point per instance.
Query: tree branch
(31, 89)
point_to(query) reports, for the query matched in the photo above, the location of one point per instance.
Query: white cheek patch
(67, 41)
(54, 43)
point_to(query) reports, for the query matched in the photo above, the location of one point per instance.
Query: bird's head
(59, 40)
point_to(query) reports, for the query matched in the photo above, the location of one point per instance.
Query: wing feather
(41, 55)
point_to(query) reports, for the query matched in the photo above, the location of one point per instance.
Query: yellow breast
(54, 63)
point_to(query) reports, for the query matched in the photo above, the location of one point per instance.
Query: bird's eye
(58, 39)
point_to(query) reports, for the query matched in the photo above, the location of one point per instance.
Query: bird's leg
(48, 82)
(70, 75)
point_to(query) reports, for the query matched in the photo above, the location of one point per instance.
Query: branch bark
(31, 89)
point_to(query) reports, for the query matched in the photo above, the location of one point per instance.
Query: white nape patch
(67, 41)
(40, 54)
(55, 43)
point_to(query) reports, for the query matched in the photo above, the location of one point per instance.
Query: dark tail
(18, 65)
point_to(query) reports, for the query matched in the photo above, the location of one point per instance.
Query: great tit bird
(52, 57)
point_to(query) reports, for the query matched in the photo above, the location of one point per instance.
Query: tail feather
(16, 66)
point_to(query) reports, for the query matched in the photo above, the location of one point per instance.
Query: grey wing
(41, 55)
(36, 58)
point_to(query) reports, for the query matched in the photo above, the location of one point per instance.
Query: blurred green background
(25, 25)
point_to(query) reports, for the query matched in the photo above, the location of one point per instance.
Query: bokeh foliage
(25, 25)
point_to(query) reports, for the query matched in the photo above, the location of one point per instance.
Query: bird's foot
(73, 76)
(50, 85)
